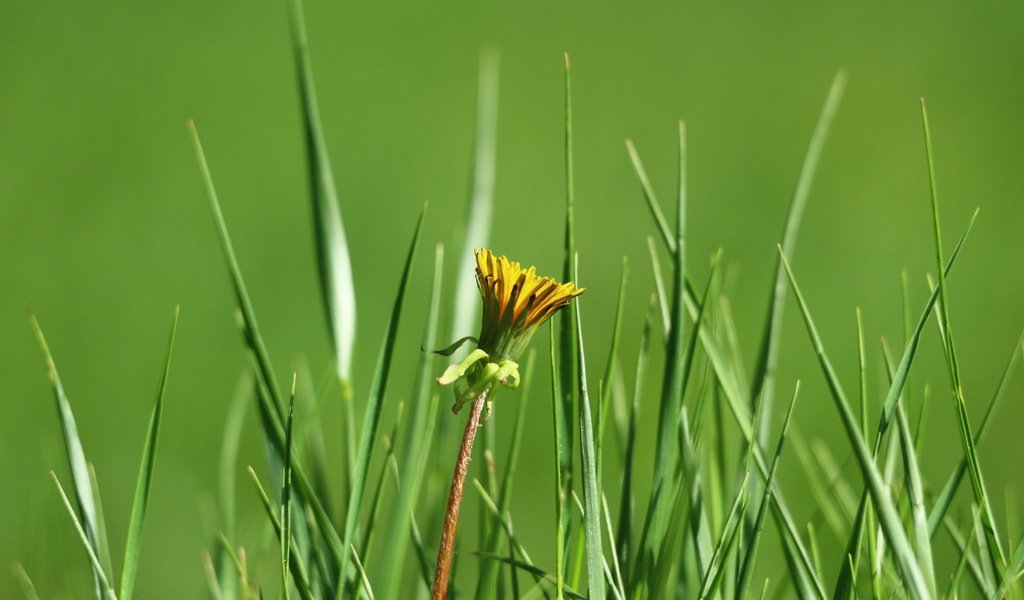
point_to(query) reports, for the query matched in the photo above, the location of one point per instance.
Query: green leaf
(371, 420)
(82, 483)
(140, 501)
(888, 515)
(333, 263)
(532, 570)
(610, 370)
(558, 419)
(28, 590)
(101, 576)
(286, 494)
(299, 571)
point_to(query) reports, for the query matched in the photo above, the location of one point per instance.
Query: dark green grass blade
(746, 568)
(966, 432)
(270, 404)
(101, 576)
(945, 497)
(286, 494)
(333, 263)
(558, 419)
(420, 429)
(82, 484)
(481, 201)
(28, 589)
(952, 590)
(568, 351)
(591, 497)
(298, 569)
(371, 420)
(844, 585)
(140, 501)
(768, 358)
(488, 580)
(532, 570)
(610, 372)
(888, 515)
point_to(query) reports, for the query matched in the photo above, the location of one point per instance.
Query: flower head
(516, 301)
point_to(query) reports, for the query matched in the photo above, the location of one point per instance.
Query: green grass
(703, 526)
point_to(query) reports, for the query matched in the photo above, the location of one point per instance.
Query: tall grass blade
(768, 358)
(371, 420)
(558, 419)
(610, 372)
(286, 494)
(298, 569)
(28, 589)
(81, 482)
(101, 524)
(107, 591)
(888, 515)
(964, 427)
(417, 441)
(481, 200)
(333, 262)
(652, 200)
(726, 542)
(140, 501)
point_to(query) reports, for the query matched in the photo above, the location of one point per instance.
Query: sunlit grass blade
(888, 515)
(107, 591)
(333, 262)
(562, 453)
(82, 484)
(488, 579)
(591, 497)
(746, 568)
(610, 372)
(140, 501)
(416, 442)
(963, 421)
(371, 420)
(945, 498)
(363, 579)
(28, 589)
(481, 201)
(768, 358)
(298, 569)
(269, 401)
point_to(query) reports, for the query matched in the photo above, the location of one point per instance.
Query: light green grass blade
(726, 542)
(964, 427)
(416, 442)
(945, 498)
(371, 420)
(488, 580)
(82, 484)
(481, 201)
(101, 524)
(610, 372)
(104, 581)
(652, 200)
(533, 570)
(768, 358)
(286, 494)
(588, 461)
(617, 582)
(333, 262)
(746, 569)
(952, 591)
(28, 589)
(659, 287)
(558, 419)
(270, 404)
(298, 569)
(363, 579)
(140, 501)
(888, 515)
(568, 351)
(369, 524)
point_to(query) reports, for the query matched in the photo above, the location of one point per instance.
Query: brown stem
(451, 513)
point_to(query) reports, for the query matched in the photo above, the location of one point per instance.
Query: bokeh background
(104, 226)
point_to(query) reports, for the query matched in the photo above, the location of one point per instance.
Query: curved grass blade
(28, 589)
(995, 548)
(887, 513)
(371, 420)
(421, 427)
(768, 359)
(104, 581)
(333, 262)
(481, 201)
(82, 483)
(140, 502)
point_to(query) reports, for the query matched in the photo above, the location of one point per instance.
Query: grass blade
(333, 262)
(101, 523)
(371, 420)
(481, 201)
(768, 359)
(966, 432)
(82, 484)
(561, 514)
(887, 513)
(104, 581)
(591, 498)
(726, 542)
(610, 370)
(300, 574)
(286, 494)
(140, 501)
(652, 200)
(28, 590)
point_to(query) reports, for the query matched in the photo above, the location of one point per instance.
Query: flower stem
(451, 515)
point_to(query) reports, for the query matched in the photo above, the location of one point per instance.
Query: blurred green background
(104, 226)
